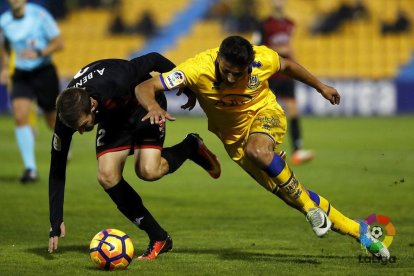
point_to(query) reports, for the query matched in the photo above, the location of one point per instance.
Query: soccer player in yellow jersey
(230, 83)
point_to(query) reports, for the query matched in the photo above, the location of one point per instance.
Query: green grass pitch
(229, 226)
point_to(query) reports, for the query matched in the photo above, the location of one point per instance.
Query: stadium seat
(358, 50)
(86, 36)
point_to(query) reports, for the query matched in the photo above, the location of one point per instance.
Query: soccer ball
(111, 249)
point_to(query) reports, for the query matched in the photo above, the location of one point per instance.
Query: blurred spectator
(360, 11)
(89, 3)
(400, 25)
(276, 32)
(146, 25)
(109, 3)
(333, 21)
(243, 19)
(117, 25)
(221, 10)
(247, 19)
(95, 3)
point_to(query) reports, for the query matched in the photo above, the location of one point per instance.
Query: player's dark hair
(71, 104)
(237, 50)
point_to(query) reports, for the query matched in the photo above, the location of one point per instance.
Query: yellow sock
(340, 223)
(293, 189)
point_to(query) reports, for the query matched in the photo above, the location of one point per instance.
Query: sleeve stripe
(163, 83)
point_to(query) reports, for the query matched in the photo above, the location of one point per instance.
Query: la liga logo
(381, 228)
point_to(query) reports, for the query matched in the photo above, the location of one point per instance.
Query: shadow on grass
(235, 254)
(8, 179)
(42, 251)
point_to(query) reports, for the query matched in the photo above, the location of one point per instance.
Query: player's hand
(157, 115)
(54, 237)
(192, 99)
(330, 94)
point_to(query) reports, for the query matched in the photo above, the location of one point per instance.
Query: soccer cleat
(319, 221)
(28, 176)
(204, 157)
(155, 248)
(372, 245)
(301, 156)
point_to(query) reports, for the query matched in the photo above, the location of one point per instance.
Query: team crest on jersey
(253, 82)
(174, 79)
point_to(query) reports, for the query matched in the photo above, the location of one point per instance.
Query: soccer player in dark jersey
(103, 93)
(276, 33)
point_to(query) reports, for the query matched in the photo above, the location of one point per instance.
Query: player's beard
(229, 84)
(90, 127)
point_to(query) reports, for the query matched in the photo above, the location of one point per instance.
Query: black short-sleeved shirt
(112, 83)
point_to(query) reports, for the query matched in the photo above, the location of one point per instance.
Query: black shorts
(282, 88)
(41, 84)
(129, 133)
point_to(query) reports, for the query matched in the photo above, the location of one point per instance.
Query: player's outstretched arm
(145, 93)
(54, 237)
(62, 138)
(296, 71)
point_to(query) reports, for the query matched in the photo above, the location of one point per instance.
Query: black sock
(176, 155)
(295, 133)
(130, 204)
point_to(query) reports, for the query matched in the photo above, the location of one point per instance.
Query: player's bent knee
(252, 152)
(257, 154)
(108, 180)
(148, 174)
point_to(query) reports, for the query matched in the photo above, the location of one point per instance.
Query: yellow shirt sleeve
(185, 74)
(266, 61)
(188, 73)
(270, 58)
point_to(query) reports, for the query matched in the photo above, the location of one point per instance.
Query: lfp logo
(381, 228)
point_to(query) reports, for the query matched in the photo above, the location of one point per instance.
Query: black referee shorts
(41, 84)
(282, 88)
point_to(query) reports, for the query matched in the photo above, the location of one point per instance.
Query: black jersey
(276, 33)
(112, 83)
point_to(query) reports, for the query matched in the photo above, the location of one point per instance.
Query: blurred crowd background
(337, 39)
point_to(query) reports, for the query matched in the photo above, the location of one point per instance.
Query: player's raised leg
(259, 150)
(193, 148)
(204, 157)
